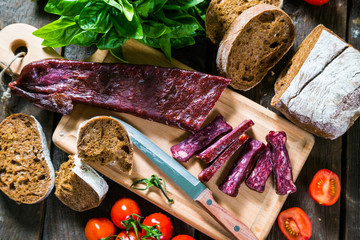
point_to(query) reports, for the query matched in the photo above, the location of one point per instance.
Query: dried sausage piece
(206, 174)
(214, 150)
(174, 97)
(185, 149)
(242, 167)
(261, 172)
(281, 163)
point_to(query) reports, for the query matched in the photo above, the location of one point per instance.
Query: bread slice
(254, 43)
(26, 172)
(104, 140)
(78, 186)
(319, 89)
(222, 13)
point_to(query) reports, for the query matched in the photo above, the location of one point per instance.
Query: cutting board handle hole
(19, 46)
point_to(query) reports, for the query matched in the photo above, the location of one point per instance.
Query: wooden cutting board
(256, 210)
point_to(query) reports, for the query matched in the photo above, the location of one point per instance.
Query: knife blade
(189, 184)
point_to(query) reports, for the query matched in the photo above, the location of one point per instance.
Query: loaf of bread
(104, 140)
(26, 172)
(78, 186)
(222, 13)
(254, 43)
(320, 88)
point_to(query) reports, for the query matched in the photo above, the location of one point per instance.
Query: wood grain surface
(52, 220)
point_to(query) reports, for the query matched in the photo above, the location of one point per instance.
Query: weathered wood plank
(23, 221)
(326, 153)
(351, 181)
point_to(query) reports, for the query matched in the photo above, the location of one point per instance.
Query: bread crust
(27, 174)
(221, 13)
(104, 140)
(267, 45)
(79, 186)
(331, 112)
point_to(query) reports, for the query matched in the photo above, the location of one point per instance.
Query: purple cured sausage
(174, 97)
(185, 149)
(281, 163)
(242, 167)
(214, 150)
(206, 174)
(261, 172)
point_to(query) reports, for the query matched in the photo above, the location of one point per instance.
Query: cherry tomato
(122, 210)
(295, 224)
(163, 221)
(317, 2)
(97, 228)
(183, 237)
(132, 236)
(325, 187)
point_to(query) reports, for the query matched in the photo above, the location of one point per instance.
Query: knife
(189, 184)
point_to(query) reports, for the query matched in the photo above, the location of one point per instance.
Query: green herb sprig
(155, 181)
(108, 24)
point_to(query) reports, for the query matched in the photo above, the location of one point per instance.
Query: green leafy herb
(109, 23)
(151, 232)
(155, 181)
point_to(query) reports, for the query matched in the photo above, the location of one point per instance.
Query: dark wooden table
(50, 219)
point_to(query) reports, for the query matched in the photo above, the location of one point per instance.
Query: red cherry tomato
(317, 2)
(183, 237)
(132, 236)
(295, 224)
(325, 187)
(163, 221)
(122, 210)
(97, 228)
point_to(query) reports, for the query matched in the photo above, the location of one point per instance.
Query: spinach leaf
(65, 7)
(95, 17)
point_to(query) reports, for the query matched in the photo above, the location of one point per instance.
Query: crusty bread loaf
(254, 43)
(222, 13)
(26, 172)
(319, 89)
(104, 140)
(78, 186)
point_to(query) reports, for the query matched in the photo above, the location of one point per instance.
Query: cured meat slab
(259, 210)
(172, 96)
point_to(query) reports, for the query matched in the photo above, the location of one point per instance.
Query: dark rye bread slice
(320, 88)
(78, 186)
(222, 13)
(255, 42)
(104, 139)
(26, 172)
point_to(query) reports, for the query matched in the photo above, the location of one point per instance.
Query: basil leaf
(65, 7)
(154, 30)
(182, 42)
(123, 6)
(117, 52)
(165, 46)
(111, 40)
(132, 29)
(109, 23)
(84, 38)
(182, 4)
(95, 17)
(144, 7)
(60, 31)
